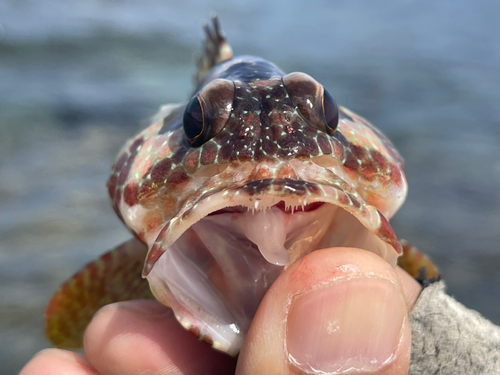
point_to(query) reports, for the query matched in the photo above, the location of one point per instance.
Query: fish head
(254, 172)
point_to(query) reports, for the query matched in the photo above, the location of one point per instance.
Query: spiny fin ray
(216, 49)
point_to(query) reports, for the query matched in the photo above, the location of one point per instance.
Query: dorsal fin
(216, 49)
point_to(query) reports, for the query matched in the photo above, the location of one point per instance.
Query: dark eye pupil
(193, 121)
(331, 112)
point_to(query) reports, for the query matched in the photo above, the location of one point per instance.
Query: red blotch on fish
(130, 194)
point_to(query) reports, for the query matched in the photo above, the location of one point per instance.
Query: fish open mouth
(214, 261)
(281, 206)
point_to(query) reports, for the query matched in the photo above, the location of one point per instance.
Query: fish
(223, 193)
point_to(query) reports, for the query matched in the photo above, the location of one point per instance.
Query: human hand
(336, 310)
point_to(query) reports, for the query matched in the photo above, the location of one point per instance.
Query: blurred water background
(78, 77)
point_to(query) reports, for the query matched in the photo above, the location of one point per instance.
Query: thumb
(335, 311)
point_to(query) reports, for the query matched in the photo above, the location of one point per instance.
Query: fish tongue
(267, 230)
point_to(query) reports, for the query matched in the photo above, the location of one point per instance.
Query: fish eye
(314, 103)
(208, 112)
(194, 122)
(330, 112)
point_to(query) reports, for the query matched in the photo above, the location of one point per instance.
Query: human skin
(340, 310)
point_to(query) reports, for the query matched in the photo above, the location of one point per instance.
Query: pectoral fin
(115, 276)
(418, 265)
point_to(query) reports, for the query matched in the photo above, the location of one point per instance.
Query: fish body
(224, 192)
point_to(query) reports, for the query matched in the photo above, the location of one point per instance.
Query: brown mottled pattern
(265, 149)
(299, 191)
(264, 129)
(120, 173)
(418, 265)
(114, 277)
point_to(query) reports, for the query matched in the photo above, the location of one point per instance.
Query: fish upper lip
(261, 194)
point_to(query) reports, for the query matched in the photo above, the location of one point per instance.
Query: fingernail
(353, 325)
